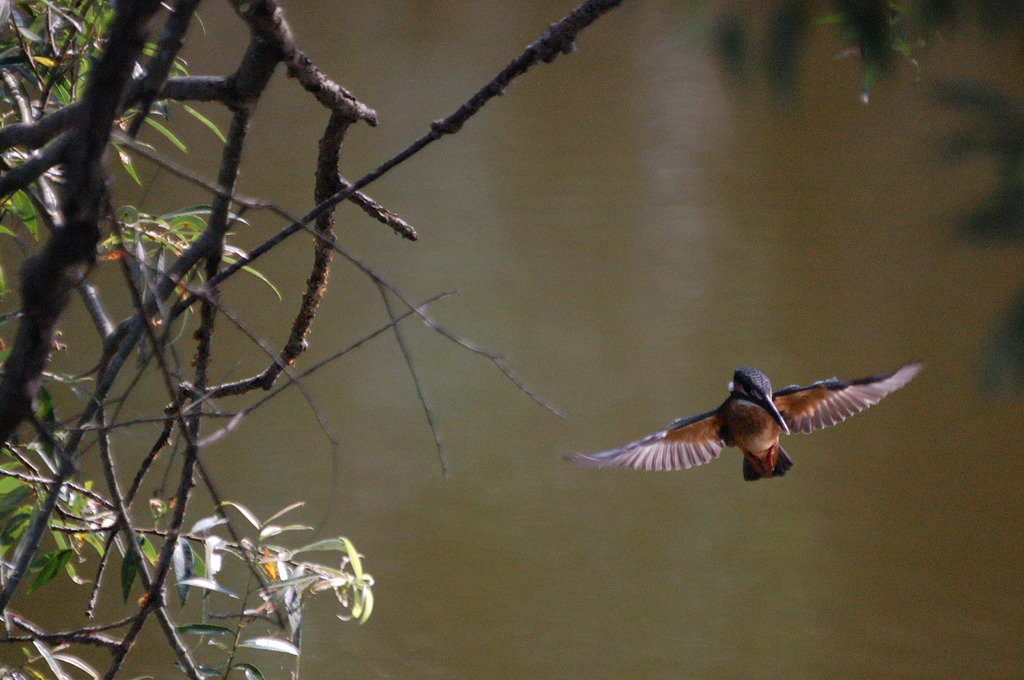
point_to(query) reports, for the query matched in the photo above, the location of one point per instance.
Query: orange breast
(751, 428)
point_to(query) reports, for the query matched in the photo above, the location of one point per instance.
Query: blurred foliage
(993, 129)
(771, 39)
(888, 38)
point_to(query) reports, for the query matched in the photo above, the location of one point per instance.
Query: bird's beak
(770, 405)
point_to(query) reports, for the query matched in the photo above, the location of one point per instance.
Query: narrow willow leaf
(367, 605)
(126, 163)
(205, 121)
(246, 513)
(12, 500)
(147, 549)
(271, 645)
(282, 511)
(183, 559)
(44, 651)
(273, 530)
(207, 523)
(251, 672)
(166, 133)
(353, 557)
(26, 212)
(29, 34)
(249, 270)
(129, 569)
(209, 584)
(300, 581)
(334, 544)
(190, 210)
(54, 563)
(78, 663)
(207, 629)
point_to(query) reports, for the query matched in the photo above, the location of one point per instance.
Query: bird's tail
(782, 465)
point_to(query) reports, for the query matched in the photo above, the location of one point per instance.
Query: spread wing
(683, 444)
(832, 401)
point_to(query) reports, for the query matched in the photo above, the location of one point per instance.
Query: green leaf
(44, 407)
(209, 584)
(207, 523)
(273, 530)
(353, 557)
(44, 651)
(12, 530)
(204, 629)
(253, 272)
(147, 550)
(182, 560)
(29, 34)
(126, 163)
(282, 511)
(53, 563)
(246, 513)
(129, 569)
(366, 595)
(205, 121)
(166, 133)
(271, 645)
(12, 500)
(251, 672)
(95, 541)
(128, 214)
(191, 210)
(300, 582)
(26, 212)
(834, 18)
(334, 544)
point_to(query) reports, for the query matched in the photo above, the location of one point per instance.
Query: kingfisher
(751, 419)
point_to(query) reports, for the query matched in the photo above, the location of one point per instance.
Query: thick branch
(168, 47)
(49, 278)
(267, 21)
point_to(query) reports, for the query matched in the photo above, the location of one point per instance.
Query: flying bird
(751, 419)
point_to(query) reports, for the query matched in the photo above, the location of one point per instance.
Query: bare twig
(135, 550)
(230, 389)
(92, 635)
(557, 40)
(407, 355)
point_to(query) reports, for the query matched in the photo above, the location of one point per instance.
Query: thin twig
(91, 635)
(135, 550)
(407, 355)
(228, 389)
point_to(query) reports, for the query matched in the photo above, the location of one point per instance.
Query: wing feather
(684, 444)
(828, 402)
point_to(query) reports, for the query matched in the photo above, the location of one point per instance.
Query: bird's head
(752, 385)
